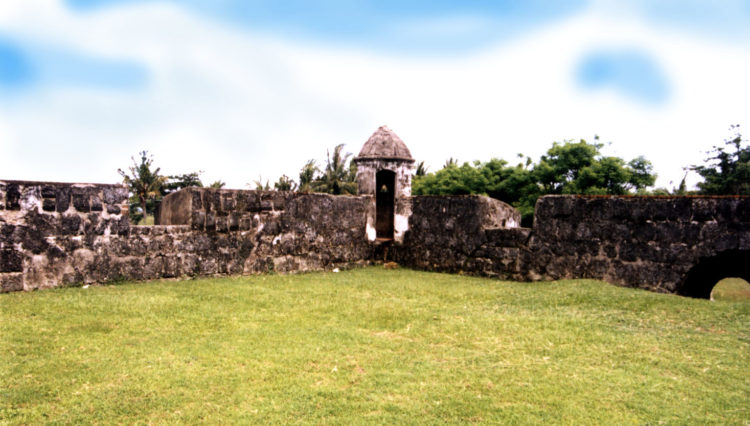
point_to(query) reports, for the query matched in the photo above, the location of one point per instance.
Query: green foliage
(217, 184)
(421, 169)
(514, 185)
(579, 168)
(727, 169)
(452, 180)
(143, 184)
(260, 186)
(371, 346)
(567, 168)
(680, 190)
(307, 176)
(285, 184)
(178, 182)
(338, 177)
(147, 187)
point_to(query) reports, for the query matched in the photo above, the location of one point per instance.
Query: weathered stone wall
(55, 234)
(42, 223)
(87, 238)
(644, 242)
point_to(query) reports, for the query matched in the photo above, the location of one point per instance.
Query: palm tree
(307, 176)
(337, 178)
(260, 186)
(143, 183)
(285, 183)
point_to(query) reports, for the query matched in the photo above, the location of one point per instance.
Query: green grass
(731, 289)
(371, 346)
(146, 221)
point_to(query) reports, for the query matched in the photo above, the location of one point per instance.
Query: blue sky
(242, 89)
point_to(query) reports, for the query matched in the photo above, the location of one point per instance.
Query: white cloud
(238, 105)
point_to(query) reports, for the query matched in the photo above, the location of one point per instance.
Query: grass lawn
(371, 346)
(731, 289)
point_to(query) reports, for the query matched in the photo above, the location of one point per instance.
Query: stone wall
(42, 223)
(56, 234)
(646, 242)
(87, 238)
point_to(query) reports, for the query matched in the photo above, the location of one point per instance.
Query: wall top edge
(649, 197)
(73, 184)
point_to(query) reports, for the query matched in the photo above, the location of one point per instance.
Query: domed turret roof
(385, 145)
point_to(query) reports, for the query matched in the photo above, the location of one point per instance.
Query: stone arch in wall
(703, 276)
(385, 188)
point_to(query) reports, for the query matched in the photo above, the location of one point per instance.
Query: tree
(143, 184)
(217, 184)
(727, 169)
(177, 182)
(567, 168)
(337, 177)
(421, 169)
(285, 184)
(562, 164)
(579, 168)
(514, 185)
(307, 176)
(452, 180)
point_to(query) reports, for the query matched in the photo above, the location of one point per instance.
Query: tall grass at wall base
(371, 346)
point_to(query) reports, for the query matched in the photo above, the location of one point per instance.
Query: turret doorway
(385, 183)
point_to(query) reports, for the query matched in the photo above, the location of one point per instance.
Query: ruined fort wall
(54, 234)
(643, 242)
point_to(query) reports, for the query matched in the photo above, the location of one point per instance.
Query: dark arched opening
(385, 181)
(702, 277)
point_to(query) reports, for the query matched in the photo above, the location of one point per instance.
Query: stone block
(48, 191)
(48, 205)
(12, 197)
(196, 199)
(198, 220)
(212, 200)
(96, 204)
(114, 195)
(113, 209)
(703, 209)
(120, 226)
(743, 210)
(228, 202)
(210, 221)
(221, 223)
(11, 260)
(11, 282)
(62, 199)
(71, 224)
(233, 221)
(81, 200)
(46, 224)
(31, 239)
